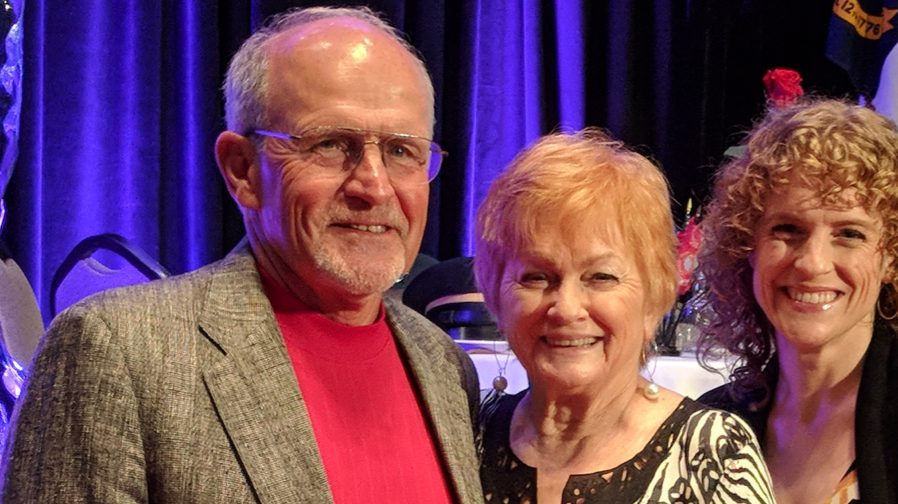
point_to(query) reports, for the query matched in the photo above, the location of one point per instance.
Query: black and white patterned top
(698, 455)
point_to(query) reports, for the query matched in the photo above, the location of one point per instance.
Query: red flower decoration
(783, 86)
(690, 239)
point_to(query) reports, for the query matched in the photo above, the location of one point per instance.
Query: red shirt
(375, 441)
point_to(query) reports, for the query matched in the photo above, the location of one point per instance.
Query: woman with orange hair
(576, 261)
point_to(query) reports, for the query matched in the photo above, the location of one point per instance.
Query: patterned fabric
(698, 455)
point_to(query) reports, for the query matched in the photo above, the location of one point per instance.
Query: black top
(876, 419)
(697, 455)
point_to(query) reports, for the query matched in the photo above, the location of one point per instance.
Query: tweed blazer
(181, 390)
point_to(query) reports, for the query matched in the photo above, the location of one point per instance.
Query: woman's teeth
(822, 297)
(572, 342)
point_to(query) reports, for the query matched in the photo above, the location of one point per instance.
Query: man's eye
(397, 150)
(402, 150)
(329, 145)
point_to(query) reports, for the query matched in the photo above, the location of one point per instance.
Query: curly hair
(829, 145)
(570, 180)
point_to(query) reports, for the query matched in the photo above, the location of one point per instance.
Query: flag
(862, 40)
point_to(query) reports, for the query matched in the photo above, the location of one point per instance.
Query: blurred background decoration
(121, 106)
(11, 371)
(10, 88)
(679, 327)
(862, 40)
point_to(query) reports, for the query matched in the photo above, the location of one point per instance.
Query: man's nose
(370, 179)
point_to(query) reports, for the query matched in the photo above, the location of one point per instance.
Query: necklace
(500, 383)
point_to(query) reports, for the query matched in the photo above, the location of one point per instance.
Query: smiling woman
(576, 260)
(817, 269)
(799, 257)
(563, 304)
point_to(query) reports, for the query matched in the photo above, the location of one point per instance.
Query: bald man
(279, 374)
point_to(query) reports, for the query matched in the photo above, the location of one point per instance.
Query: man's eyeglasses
(405, 157)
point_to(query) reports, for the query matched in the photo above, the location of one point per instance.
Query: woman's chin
(568, 379)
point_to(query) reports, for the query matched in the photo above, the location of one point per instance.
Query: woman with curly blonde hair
(800, 240)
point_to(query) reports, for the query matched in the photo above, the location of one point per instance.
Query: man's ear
(239, 166)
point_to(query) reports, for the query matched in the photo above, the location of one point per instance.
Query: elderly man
(278, 374)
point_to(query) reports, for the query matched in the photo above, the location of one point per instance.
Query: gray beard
(362, 279)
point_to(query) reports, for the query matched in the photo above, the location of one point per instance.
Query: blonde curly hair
(831, 146)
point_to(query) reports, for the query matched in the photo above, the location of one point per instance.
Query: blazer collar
(439, 382)
(254, 388)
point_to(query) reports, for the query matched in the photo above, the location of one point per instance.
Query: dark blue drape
(121, 104)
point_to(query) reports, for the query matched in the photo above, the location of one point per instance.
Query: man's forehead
(353, 36)
(330, 68)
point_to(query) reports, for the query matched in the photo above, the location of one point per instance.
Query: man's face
(351, 231)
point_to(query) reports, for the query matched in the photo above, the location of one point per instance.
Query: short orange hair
(575, 179)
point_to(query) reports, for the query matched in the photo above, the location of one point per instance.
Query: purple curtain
(120, 110)
(122, 104)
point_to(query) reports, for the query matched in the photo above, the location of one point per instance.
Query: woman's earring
(500, 383)
(651, 391)
(879, 304)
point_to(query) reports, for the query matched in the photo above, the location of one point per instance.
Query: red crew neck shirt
(374, 438)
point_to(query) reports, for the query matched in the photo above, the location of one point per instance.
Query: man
(278, 374)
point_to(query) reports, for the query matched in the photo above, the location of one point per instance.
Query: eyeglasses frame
(384, 135)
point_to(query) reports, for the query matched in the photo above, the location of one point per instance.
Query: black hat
(447, 294)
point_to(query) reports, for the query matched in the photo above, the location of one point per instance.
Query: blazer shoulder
(177, 295)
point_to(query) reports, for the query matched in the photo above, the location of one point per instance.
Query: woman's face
(573, 307)
(818, 270)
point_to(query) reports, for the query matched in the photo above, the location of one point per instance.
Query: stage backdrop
(122, 104)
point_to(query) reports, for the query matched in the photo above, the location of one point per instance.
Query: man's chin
(365, 285)
(370, 277)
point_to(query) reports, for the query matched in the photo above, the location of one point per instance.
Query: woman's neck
(817, 379)
(809, 442)
(585, 433)
(812, 399)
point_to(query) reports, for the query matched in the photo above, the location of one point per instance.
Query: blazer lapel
(444, 398)
(254, 389)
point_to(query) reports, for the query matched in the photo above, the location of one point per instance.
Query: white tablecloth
(681, 373)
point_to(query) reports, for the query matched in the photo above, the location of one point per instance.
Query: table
(680, 373)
